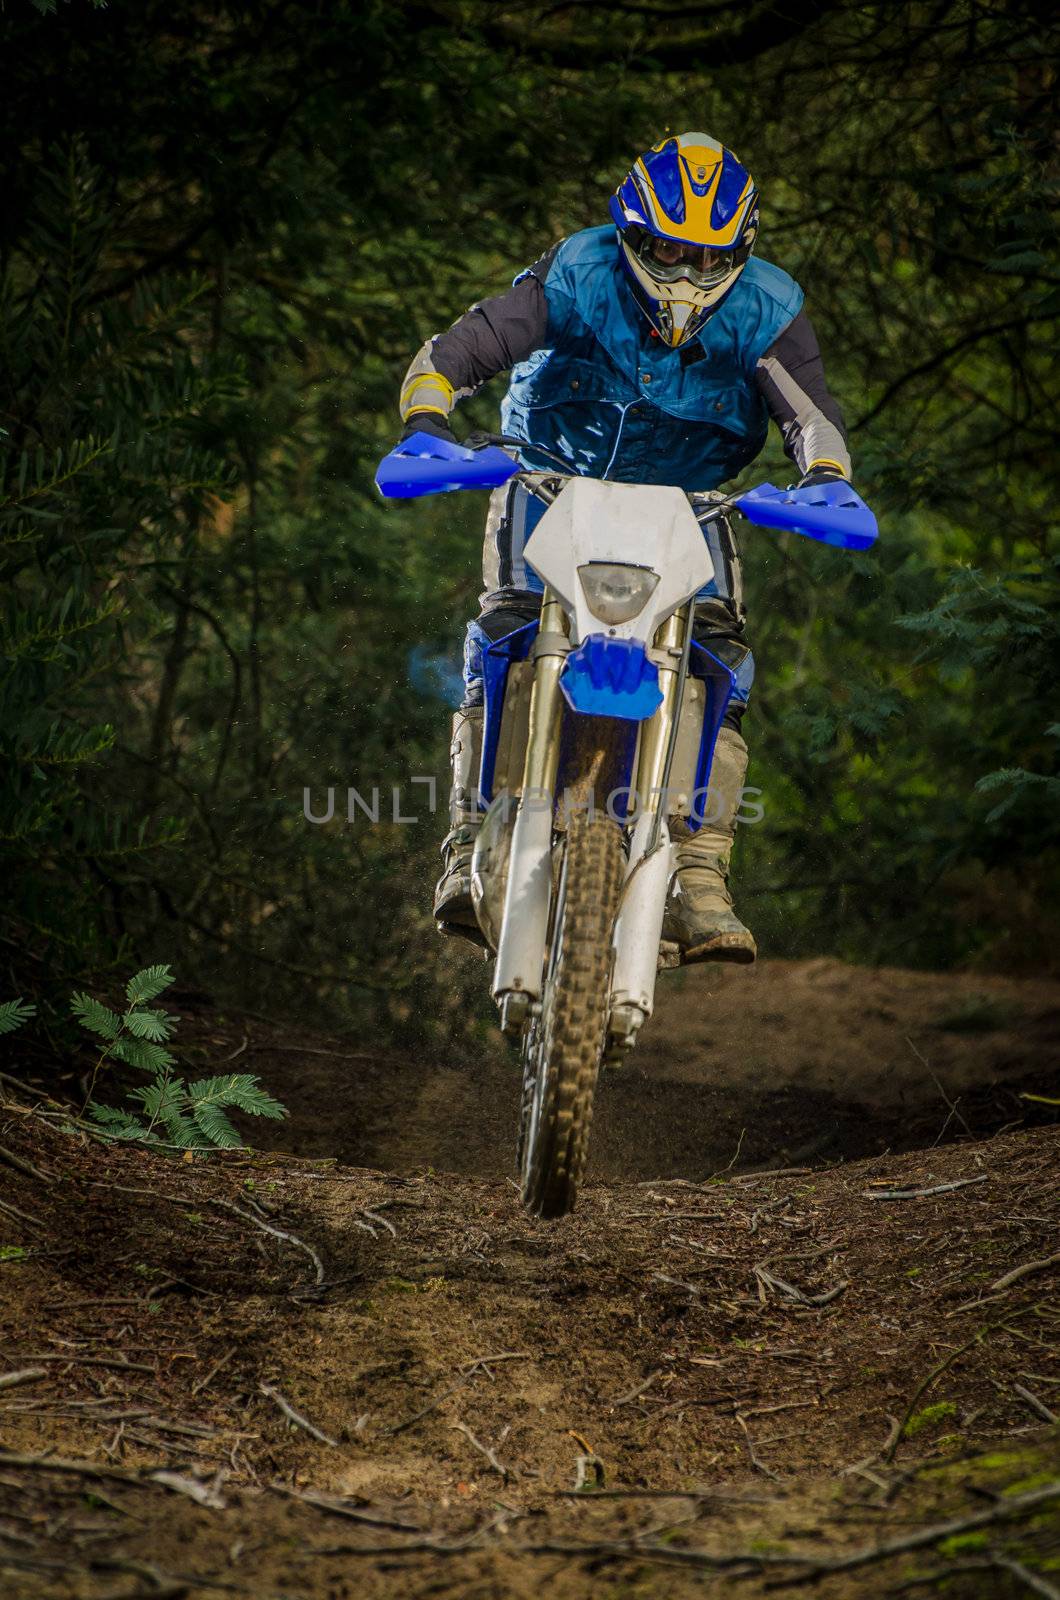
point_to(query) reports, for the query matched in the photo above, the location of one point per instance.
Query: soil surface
(275, 1375)
(789, 1062)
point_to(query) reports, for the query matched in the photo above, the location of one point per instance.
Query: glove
(820, 473)
(431, 422)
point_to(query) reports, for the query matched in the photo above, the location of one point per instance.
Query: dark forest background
(224, 230)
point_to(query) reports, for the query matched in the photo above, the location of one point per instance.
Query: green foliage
(13, 1013)
(171, 1111)
(928, 1418)
(960, 1544)
(148, 985)
(97, 1018)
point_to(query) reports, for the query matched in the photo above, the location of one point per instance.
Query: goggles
(668, 260)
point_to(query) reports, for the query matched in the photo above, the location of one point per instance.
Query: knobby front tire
(563, 1049)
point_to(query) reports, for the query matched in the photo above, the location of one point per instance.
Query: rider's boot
(699, 914)
(453, 910)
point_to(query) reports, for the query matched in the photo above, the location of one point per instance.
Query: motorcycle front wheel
(564, 1045)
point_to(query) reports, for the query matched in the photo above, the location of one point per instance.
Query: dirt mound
(270, 1377)
(787, 1063)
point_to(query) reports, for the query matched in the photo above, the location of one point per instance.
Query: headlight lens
(616, 592)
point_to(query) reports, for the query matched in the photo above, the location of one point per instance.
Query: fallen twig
(372, 1216)
(339, 1508)
(1023, 1272)
(1038, 1406)
(163, 1585)
(634, 1394)
(784, 1405)
(483, 1449)
(1032, 1580)
(766, 1278)
(589, 1474)
(19, 1215)
(20, 1164)
(678, 1283)
(76, 1360)
(483, 1363)
(425, 1411)
(731, 1163)
(8, 1380)
(888, 1453)
(918, 1194)
(1003, 1510)
(952, 1104)
(756, 1461)
(84, 1469)
(996, 1562)
(889, 1444)
(721, 1495)
(204, 1494)
(295, 1416)
(277, 1233)
(224, 1205)
(773, 1172)
(197, 1388)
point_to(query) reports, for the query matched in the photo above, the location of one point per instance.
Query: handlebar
(832, 513)
(539, 483)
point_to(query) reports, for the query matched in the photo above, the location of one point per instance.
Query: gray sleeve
(491, 337)
(790, 377)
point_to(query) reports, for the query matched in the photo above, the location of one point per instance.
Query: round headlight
(616, 592)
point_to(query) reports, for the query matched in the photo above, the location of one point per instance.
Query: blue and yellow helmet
(687, 217)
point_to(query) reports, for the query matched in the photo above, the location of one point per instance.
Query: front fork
(517, 976)
(638, 926)
(518, 973)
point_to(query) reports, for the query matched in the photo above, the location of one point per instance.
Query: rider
(654, 354)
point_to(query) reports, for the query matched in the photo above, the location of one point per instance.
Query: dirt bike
(600, 724)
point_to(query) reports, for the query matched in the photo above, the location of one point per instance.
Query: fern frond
(242, 1090)
(148, 984)
(214, 1125)
(119, 1124)
(94, 1016)
(181, 1129)
(165, 1101)
(143, 1054)
(13, 1014)
(146, 1024)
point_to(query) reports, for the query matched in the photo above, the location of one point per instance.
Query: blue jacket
(606, 394)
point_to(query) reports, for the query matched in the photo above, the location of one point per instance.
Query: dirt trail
(792, 1062)
(725, 1367)
(391, 1382)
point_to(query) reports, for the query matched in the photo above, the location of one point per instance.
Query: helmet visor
(668, 260)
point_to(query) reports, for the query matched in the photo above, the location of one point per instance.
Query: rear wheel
(564, 1045)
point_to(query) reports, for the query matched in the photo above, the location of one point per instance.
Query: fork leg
(524, 926)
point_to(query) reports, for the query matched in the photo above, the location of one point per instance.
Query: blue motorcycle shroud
(720, 682)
